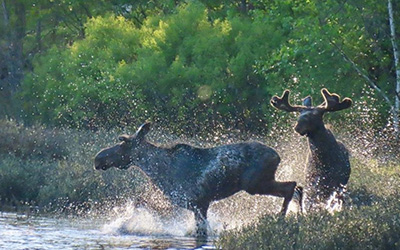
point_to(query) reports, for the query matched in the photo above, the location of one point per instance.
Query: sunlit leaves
(119, 71)
(155, 67)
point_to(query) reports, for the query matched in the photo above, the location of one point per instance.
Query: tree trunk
(39, 35)
(243, 6)
(17, 34)
(397, 67)
(13, 61)
(5, 12)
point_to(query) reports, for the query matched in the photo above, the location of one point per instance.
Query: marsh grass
(33, 142)
(368, 227)
(52, 170)
(370, 219)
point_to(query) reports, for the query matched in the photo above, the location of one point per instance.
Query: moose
(328, 165)
(193, 177)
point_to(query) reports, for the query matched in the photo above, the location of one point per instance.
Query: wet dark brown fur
(194, 177)
(328, 165)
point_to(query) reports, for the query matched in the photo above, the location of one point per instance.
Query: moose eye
(122, 145)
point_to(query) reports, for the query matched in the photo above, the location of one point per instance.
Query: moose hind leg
(298, 196)
(279, 189)
(285, 190)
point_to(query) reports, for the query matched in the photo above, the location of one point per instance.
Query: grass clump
(367, 227)
(370, 219)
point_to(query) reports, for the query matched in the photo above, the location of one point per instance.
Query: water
(42, 232)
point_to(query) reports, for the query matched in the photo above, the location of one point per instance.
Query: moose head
(124, 153)
(310, 119)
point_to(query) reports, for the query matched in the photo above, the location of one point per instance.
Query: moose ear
(307, 101)
(143, 130)
(125, 138)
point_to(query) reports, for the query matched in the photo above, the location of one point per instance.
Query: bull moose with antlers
(328, 166)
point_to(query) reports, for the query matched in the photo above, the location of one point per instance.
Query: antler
(282, 103)
(332, 101)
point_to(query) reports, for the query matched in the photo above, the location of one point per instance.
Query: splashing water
(335, 201)
(144, 221)
(234, 212)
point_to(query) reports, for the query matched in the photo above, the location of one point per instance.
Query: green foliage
(86, 79)
(321, 38)
(203, 65)
(196, 63)
(181, 65)
(21, 180)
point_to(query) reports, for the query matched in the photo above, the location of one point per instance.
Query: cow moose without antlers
(328, 166)
(194, 177)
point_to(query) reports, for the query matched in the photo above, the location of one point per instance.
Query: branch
(394, 45)
(5, 13)
(397, 94)
(396, 65)
(89, 15)
(70, 22)
(362, 74)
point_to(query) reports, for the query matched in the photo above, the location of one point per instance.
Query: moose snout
(100, 161)
(300, 129)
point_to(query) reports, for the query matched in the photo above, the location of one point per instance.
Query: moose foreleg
(200, 215)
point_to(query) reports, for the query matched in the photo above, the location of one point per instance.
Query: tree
(202, 62)
(196, 70)
(396, 108)
(11, 50)
(29, 28)
(323, 34)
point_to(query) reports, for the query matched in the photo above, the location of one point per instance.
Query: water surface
(44, 232)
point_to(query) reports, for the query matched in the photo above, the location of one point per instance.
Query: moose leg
(298, 195)
(200, 215)
(285, 190)
(279, 189)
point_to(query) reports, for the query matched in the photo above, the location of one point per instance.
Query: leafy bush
(184, 67)
(21, 180)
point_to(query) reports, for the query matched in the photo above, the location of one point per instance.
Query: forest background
(196, 65)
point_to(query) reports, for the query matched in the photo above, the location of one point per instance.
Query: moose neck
(322, 140)
(154, 161)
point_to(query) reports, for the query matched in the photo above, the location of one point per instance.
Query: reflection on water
(37, 232)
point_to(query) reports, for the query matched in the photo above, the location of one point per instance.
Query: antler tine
(332, 101)
(282, 103)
